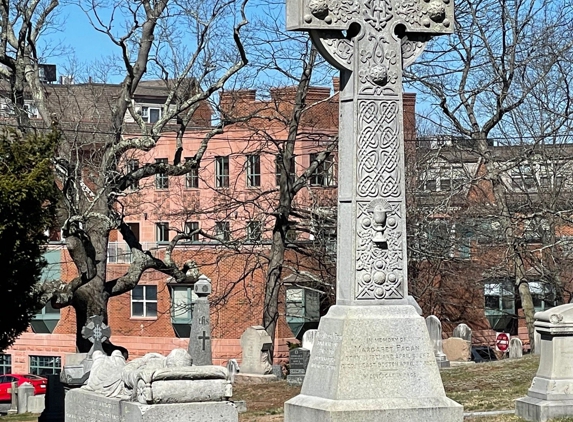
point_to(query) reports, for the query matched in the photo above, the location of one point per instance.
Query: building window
(144, 301)
(254, 231)
(45, 365)
(191, 228)
(182, 299)
(192, 178)
(323, 175)
(499, 298)
(253, 171)
(162, 232)
(223, 231)
(445, 178)
(161, 180)
(150, 114)
(222, 172)
(302, 306)
(543, 295)
(278, 168)
(5, 364)
(133, 165)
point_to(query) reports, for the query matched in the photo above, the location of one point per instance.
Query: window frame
(254, 227)
(161, 179)
(192, 178)
(253, 164)
(188, 229)
(222, 172)
(131, 166)
(161, 228)
(223, 230)
(38, 368)
(324, 174)
(144, 301)
(5, 363)
(146, 115)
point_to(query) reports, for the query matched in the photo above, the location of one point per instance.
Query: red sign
(502, 342)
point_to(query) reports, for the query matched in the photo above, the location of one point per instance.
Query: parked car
(6, 380)
(483, 354)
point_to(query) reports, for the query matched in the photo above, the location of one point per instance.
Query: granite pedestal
(551, 392)
(372, 364)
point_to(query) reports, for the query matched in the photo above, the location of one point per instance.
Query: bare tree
(500, 52)
(193, 50)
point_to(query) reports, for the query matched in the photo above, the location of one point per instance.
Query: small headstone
(515, 348)
(298, 361)
(200, 336)
(537, 342)
(464, 332)
(308, 339)
(435, 330)
(54, 409)
(25, 390)
(278, 371)
(233, 368)
(457, 349)
(97, 332)
(14, 401)
(256, 345)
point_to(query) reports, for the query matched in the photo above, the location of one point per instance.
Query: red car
(6, 380)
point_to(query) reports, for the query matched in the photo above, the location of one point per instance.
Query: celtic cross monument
(372, 359)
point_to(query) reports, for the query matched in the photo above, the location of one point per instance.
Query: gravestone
(537, 342)
(54, 408)
(14, 398)
(200, 336)
(457, 349)
(515, 348)
(372, 359)
(233, 368)
(464, 332)
(308, 339)
(255, 362)
(435, 331)
(298, 362)
(25, 391)
(551, 392)
(78, 365)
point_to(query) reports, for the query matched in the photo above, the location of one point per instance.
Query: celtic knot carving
(343, 10)
(409, 11)
(377, 13)
(378, 150)
(379, 270)
(340, 48)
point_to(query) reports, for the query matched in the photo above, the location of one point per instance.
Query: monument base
(372, 364)
(539, 410)
(85, 406)
(254, 378)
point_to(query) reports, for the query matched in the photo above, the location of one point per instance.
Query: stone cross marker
(371, 41)
(371, 362)
(200, 336)
(97, 332)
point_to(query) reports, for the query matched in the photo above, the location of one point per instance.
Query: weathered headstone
(25, 391)
(298, 362)
(255, 362)
(537, 342)
(14, 398)
(435, 330)
(54, 409)
(457, 349)
(372, 358)
(308, 339)
(515, 348)
(200, 336)
(464, 332)
(551, 392)
(233, 368)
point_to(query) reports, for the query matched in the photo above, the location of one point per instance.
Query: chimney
(233, 102)
(336, 84)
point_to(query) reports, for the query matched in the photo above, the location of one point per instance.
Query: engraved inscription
(325, 348)
(93, 408)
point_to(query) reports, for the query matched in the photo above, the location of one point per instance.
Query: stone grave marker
(372, 358)
(298, 362)
(457, 349)
(200, 336)
(515, 348)
(233, 368)
(13, 390)
(255, 362)
(464, 332)
(25, 391)
(308, 339)
(551, 392)
(435, 330)
(54, 409)
(537, 339)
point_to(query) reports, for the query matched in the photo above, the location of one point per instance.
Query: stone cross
(97, 332)
(200, 337)
(371, 41)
